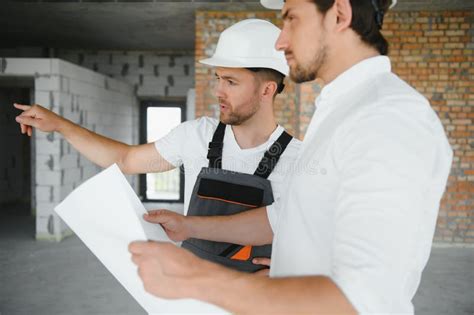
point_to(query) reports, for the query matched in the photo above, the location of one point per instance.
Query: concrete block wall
(95, 101)
(432, 50)
(153, 74)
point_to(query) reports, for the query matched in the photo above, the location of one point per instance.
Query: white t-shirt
(362, 205)
(187, 145)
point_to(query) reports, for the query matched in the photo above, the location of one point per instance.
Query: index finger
(22, 107)
(157, 212)
(157, 216)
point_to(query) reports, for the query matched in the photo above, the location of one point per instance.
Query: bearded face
(303, 39)
(236, 90)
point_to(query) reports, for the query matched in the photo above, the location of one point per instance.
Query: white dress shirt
(362, 203)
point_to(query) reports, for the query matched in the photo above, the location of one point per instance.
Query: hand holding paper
(88, 210)
(173, 223)
(171, 272)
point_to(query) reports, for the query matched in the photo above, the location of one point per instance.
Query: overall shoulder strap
(214, 153)
(271, 157)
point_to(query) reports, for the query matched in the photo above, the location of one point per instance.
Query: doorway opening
(16, 171)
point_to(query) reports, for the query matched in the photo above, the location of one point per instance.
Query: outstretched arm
(246, 228)
(103, 151)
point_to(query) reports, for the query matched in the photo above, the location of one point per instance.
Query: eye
(231, 82)
(288, 17)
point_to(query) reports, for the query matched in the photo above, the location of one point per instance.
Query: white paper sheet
(106, 214)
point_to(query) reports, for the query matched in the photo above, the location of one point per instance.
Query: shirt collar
(264, 146)
(351, 78)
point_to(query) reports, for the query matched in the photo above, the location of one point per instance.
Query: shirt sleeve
(272, 214)
(171, 147)
(383, 233)
(279, 179)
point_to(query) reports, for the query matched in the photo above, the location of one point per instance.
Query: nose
(282, 40)
(218, 89)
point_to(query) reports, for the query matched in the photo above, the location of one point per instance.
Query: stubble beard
(235, 118)
(301, 73)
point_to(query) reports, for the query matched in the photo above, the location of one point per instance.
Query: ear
(269, 89)
(343, 14)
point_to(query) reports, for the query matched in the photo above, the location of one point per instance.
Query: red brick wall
(433, 51)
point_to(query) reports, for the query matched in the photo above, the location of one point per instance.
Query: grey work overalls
(223, 192)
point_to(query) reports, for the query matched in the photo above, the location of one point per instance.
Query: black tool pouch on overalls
(223, 192)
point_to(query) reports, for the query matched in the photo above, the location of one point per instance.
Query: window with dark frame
(157, 118)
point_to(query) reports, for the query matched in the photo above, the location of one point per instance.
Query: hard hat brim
(278, 4)
(246, 63)
(273, 4)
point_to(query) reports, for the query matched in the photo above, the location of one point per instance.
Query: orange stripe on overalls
(243, 254)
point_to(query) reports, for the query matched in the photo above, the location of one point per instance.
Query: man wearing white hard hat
(354, 234)
(233, 164)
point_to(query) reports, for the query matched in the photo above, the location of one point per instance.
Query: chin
(302, 77)
(224, 119)
(229, 120)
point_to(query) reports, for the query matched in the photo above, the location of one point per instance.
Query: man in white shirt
(356, 223)
(249, 74)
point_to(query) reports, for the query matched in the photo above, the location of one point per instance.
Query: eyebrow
(226, 77)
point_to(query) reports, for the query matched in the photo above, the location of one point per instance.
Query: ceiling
(115, 25)
(127, 24)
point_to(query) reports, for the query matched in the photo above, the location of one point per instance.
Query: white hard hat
(249, 44)
(278, 4)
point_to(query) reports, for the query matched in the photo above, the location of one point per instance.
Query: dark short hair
(366, 20)
(268, 74)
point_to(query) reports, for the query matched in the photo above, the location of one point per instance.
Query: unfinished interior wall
(153, 74)
(93, 100)
(432, 50)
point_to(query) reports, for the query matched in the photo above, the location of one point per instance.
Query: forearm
(245, 293)
(245, 228)
(103, 151)
(100, 150)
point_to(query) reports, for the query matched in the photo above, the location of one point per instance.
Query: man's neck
(254, 132)
(344, 61)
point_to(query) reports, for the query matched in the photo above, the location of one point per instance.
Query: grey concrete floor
(65, 278)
